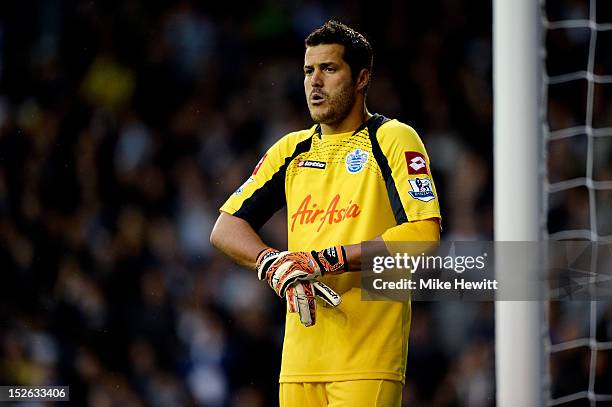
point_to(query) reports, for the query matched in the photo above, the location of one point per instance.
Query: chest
(334, 184)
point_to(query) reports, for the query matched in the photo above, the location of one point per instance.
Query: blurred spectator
(124, 126)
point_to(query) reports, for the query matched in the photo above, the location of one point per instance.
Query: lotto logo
(312, 164)
(416, 163)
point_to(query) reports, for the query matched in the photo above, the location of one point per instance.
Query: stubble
(338, 106)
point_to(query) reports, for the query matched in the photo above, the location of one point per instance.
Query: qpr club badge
(355, 161)
(421, 189)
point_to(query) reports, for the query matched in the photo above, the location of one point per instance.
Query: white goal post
(518, 193)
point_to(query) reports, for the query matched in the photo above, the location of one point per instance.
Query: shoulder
(290, 141)
(394, 136)
(296, 137)
(395, 128)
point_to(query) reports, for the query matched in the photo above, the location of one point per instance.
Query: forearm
(236, 239)
(420, 231)
(353, 254)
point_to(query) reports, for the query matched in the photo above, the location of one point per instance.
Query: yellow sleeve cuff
(418, 231)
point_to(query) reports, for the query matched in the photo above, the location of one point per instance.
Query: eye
(330, 69)
(308, 71)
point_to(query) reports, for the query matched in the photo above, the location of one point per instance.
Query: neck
(356, 117)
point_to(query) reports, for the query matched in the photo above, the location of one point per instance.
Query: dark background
(124, 125)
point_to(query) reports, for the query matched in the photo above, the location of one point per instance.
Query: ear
(363, 79)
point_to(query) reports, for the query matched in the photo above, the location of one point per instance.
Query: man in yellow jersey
(352, 177)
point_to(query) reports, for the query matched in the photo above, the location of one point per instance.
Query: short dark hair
(357, 50)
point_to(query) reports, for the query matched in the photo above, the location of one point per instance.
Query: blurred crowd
(124, 125)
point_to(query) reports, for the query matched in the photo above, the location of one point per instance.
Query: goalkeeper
(352, 177)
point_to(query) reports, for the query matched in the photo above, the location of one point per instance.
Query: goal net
(577, 131)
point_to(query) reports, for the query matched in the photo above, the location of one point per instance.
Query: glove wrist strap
(332, 260)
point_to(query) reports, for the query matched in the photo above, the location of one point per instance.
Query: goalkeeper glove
(281, 269)
(301, 299)
(276, 278)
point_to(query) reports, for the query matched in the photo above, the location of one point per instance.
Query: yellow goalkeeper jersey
(343, 189)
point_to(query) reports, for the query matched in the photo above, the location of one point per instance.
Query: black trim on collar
(399, 212)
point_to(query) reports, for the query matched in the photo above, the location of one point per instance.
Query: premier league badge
(421, 189)
(241, 187)
(355, 161)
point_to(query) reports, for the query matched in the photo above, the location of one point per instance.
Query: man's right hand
(283, 275)
(281, 269)
(280, 274)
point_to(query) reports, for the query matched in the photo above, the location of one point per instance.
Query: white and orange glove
(282, 269)
(290, 275)
(301, 298)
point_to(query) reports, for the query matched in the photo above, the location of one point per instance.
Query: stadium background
(123, 127)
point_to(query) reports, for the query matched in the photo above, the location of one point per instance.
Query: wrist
(332, 260)
(263, 260)
(262, 253)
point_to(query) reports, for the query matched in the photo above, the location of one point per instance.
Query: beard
(337, 106)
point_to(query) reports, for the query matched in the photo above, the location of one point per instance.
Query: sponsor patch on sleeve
(241, 187)
(416, 163)
(421, 189)
(259, 164)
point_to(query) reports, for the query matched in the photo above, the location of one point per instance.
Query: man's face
(330, 91)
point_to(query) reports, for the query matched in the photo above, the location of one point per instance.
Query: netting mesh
(577, 128)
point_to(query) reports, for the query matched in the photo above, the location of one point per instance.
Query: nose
(316, 79)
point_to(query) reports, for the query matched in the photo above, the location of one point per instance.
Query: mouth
(317, 98)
